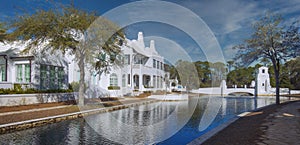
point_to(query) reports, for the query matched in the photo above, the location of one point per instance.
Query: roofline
(22, 57)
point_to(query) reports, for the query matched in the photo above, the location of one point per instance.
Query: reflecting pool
(162, 123)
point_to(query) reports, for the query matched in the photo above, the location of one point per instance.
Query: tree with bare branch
(273, 41)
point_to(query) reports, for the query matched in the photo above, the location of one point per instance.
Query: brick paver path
(283, 126)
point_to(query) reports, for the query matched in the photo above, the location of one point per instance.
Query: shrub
(147, 92)
(109, 99)
(31, 91)
(17, 87)
(113, 88)
(148, 87)
(74, 86)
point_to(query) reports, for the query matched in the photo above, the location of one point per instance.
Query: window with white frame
(60, 77)
(51, 77)
(113, 81)
(154, 81)
(2, 72)
(44, 80)
(123, 80)
(22, 73)
(2, 69)
(138, 59)
(161, 82)
(27, 73)
(127, 59)
(128, 79)
(19, 73)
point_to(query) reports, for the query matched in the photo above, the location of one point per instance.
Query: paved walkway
(271, 125)
(64, 106)
(283, 126)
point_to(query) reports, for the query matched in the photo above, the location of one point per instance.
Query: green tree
(284, 78)
(2, 32)
(204, 73)
(218, 71)
(230, 64)
(187, 74)
(93, 40)
(292, 71)
(272, 41)
(241, 76)
(173, 72)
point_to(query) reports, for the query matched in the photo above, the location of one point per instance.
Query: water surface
(162, 123)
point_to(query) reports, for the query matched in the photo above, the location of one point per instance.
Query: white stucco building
(142, 70)
(41, 71)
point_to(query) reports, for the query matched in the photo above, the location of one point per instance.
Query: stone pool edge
(216, 130)
(22, 125)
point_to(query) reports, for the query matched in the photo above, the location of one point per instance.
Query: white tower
(262, 85)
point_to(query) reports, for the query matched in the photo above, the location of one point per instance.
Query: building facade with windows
(142, 70)
(42, 71)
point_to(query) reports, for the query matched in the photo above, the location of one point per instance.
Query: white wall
(26, 99)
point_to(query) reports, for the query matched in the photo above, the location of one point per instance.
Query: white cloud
(228, 52)
(228, 16)
(224, 16)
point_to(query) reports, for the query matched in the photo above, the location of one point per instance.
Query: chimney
(140, 36)
(152, 44)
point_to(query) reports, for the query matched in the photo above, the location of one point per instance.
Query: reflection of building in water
(232, 106)
(146, 124)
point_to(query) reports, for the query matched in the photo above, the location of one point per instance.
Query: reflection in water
(212, 109)
(143, 124)
(177, 122)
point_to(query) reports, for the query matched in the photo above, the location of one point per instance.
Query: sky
(196, 26)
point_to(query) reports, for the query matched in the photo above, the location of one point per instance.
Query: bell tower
(262, 85)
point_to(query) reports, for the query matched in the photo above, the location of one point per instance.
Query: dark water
(162, 123)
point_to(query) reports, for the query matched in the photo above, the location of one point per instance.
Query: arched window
(113, 80)
(123, 80)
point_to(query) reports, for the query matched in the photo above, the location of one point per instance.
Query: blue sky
(229, 20)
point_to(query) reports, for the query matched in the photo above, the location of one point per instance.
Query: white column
(140, 81)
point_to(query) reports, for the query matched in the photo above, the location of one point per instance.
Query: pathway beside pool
(170, 97)
(274, 124)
